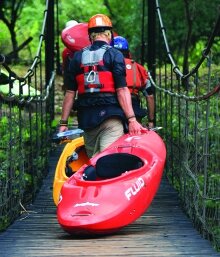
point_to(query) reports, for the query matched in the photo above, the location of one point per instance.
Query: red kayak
(116, 188)
(76, 37)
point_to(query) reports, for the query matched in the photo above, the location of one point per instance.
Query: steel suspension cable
(205, 52)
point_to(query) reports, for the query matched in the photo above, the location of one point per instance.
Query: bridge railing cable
(204, 53)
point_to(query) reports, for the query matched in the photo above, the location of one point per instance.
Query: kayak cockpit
(112, 165)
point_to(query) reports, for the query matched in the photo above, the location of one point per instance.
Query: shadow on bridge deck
(162, 231)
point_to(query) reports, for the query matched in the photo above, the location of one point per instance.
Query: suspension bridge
(183, 219)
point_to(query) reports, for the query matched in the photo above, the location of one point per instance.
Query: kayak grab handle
(67, 136)
(69, 133)
(156, 128)
(151, 129)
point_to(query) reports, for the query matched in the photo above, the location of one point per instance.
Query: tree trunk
(14, 42)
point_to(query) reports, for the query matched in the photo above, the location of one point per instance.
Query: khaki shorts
(96, 140)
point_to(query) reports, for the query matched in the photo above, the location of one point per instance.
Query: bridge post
(151, 62)
(49, 49)
(143, 30)
(151, 56)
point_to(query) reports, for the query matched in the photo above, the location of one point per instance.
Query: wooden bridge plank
(162, 231)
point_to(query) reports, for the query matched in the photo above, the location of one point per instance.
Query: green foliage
(5, 45)
(54, 123)
(29, 25)
(203, 16)
(80, 10)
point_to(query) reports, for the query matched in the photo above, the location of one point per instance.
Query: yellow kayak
(72, 158)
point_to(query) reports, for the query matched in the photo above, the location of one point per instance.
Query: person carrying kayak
(96, 86)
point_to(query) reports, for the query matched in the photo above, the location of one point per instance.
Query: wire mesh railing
(191, 120)
(25, 131)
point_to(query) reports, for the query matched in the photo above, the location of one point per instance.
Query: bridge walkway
(163, 230)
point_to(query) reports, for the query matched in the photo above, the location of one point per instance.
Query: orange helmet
(99, 23)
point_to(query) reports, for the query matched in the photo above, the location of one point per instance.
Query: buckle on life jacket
(91, 77)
